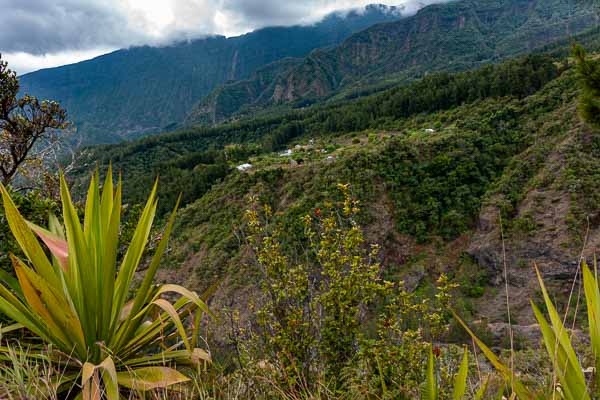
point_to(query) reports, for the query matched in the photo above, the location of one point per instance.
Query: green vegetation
(326, 321)
(589, 77)
(75, 306)
(192, 161)
(415, 185)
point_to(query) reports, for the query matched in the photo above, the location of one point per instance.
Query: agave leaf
(32, 295)
(149, 378)
(187, 297)
(90, 380)
(92, 233)
(148, 334)
(75, 301)
(57, 306)
(200, 355)
(80, 273)
(109, 377)
(145, 290)
(18, 311)
(55, 226)
(573, 385)
(90, 386)
(482, 389)
(560, 349)
(27, 241)
(179, 357)
(133, 255)
(10, 328)
(126, 311)
(559, 330)
(106, 202)
(188, 294)
(172, 312)
(429, 390)
(108, 268)
(58, 246)
(460, 381)
(592, 296)
(519, 388)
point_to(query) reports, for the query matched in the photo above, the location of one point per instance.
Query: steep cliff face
(142, 90)
(553, 223)
(452, 36)
(231, 97)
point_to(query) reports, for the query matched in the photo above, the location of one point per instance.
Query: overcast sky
(36, 34)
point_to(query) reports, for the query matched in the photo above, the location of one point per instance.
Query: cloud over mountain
(40, 32)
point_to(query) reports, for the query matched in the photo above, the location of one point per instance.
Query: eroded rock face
(500, 332)
(550, 245)
(539, 235)
(525, 335)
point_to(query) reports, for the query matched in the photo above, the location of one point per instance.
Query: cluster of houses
(288, 153)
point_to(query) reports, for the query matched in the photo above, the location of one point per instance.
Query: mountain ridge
(452, 36)
(149, 89)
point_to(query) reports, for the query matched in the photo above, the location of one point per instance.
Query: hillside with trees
(429, 238)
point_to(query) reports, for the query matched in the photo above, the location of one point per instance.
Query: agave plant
(430, 389)
(569, 381)
(74, 297)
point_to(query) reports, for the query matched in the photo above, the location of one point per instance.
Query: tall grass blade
(460, 381)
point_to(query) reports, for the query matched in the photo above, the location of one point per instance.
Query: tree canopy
(588, 71)
(24, 122)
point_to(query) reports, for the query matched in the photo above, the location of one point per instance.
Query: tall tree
(24, 123)
(588, 71)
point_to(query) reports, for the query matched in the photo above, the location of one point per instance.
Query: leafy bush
(328, 319)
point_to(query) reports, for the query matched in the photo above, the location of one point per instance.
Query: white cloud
(43, 33)
(26, 62)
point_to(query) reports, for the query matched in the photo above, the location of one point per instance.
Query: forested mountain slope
(438, 192)
(438, 166)
(142, 90)
(452, 36)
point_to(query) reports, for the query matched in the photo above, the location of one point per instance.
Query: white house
(244, 167)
